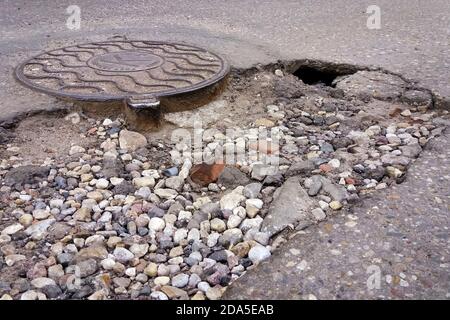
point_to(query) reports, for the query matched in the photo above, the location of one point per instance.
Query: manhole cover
(117, 70)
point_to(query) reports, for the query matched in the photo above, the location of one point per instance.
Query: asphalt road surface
(414, 41)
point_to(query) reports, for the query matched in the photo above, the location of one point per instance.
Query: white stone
(29, 295)
(116, 181)
(258, 253)
(41, 214)
(131, 141)
(179, 235)
(318, 214)
(139, 250)
(42, 282)
(107, 122)
(38, 230)
(144, 182)
(123, 255)
(11, 259)
(175, 183)
(252, 206)
(108, 263)
(131, 272)
(166, 193)
(194, 234)
(56, 203)
(232, 199)
(180, 280)
(203, 286)
(161, 280)
(12, 229)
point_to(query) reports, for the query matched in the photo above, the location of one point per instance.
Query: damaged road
(131, 215)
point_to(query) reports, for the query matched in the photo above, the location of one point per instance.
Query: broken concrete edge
(289, 66)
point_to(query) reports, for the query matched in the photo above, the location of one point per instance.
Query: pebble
(166, 193)
(116, 181)
(252, 206)
(218, 225)
(214, 293)
(252, 190)
(151, 269)
(179, 235)
(174, 293)
(29, 295)
(180, 280)
(12, 259)
(12, 229)
(334, 163)
(139, 250)
(41, 282)
(156, 224)
(158, 295)
(318, 214)
(232, 199)
(162, 281)
(131, 140)
(102, 184)
(108, 264)
(241, 249)
(152, 234)
(279, 73)
(144, 182)
(234, 221)
(41, 214)
(176, 251)
(335, 205)
(406, 113)
(175, 183)
(76, 149)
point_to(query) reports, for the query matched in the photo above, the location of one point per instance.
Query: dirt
(47, 135)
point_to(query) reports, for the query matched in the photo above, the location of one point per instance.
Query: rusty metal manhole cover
(124, 69)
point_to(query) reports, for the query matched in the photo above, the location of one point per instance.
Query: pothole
(318, 72)
(111, 213)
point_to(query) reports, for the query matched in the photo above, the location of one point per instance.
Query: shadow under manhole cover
(147, 77)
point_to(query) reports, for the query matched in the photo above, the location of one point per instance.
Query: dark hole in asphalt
(312, 76)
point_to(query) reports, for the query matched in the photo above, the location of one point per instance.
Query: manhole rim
(21, 77)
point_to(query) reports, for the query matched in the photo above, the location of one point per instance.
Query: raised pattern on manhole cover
(114, 70)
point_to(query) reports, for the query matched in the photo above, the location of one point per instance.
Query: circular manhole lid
(116, 70)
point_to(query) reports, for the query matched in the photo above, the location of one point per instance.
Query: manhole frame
(152, 97)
